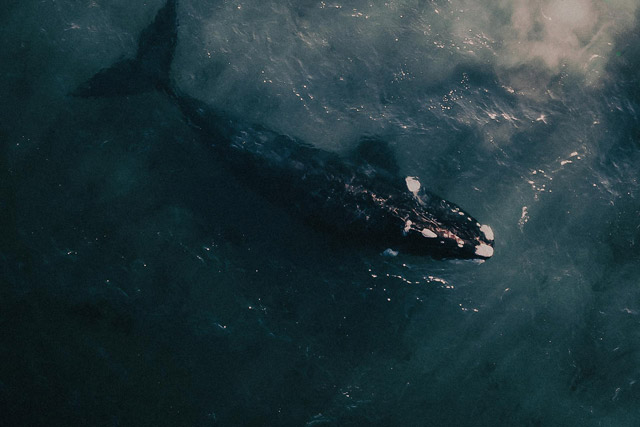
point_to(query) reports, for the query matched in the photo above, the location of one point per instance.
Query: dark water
(142, 284)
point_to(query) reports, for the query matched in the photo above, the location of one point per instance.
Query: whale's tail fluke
(149, 70)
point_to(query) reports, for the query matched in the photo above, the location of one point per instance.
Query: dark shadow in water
(124, 318)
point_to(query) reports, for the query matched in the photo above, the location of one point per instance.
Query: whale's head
(426, 224)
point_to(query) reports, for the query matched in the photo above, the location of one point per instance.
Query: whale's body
(360, 198)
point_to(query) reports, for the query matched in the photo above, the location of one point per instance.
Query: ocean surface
(141, 283)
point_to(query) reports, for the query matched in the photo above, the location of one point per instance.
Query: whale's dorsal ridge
(376, 152)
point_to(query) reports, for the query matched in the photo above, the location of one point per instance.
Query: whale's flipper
(377, 153)
(150, 68)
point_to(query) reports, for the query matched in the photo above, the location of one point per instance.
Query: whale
(360, 198)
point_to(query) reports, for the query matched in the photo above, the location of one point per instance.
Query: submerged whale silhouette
(361, 198)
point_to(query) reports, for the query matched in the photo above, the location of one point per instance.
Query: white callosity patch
(428, 233)
(484, 250)
(412, 184)
(487, 231)
(407, 226)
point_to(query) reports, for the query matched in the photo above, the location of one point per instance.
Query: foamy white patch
(390, 252)
(524, 218)
(579, 34)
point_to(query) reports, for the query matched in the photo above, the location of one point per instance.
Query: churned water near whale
(152, 273)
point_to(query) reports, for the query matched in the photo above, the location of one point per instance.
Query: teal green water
(142, 284)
